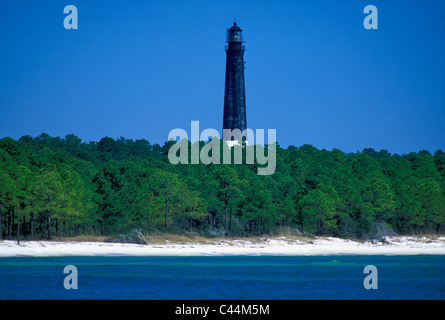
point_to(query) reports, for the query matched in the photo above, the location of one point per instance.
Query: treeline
(65, 187)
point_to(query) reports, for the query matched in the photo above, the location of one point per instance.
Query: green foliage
(66, 187)
(319, 209)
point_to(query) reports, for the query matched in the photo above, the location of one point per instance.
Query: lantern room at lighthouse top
(234, 34)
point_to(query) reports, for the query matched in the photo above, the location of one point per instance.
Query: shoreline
(275, 246)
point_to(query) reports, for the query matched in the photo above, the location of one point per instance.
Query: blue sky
(139, 69)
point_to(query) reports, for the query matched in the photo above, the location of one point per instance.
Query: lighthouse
(234, 93)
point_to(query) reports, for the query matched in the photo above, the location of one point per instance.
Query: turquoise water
(224, 277)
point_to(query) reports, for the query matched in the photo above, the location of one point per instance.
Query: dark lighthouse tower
(234, 95)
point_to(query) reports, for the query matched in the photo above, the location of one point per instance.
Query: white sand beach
(263, 246)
